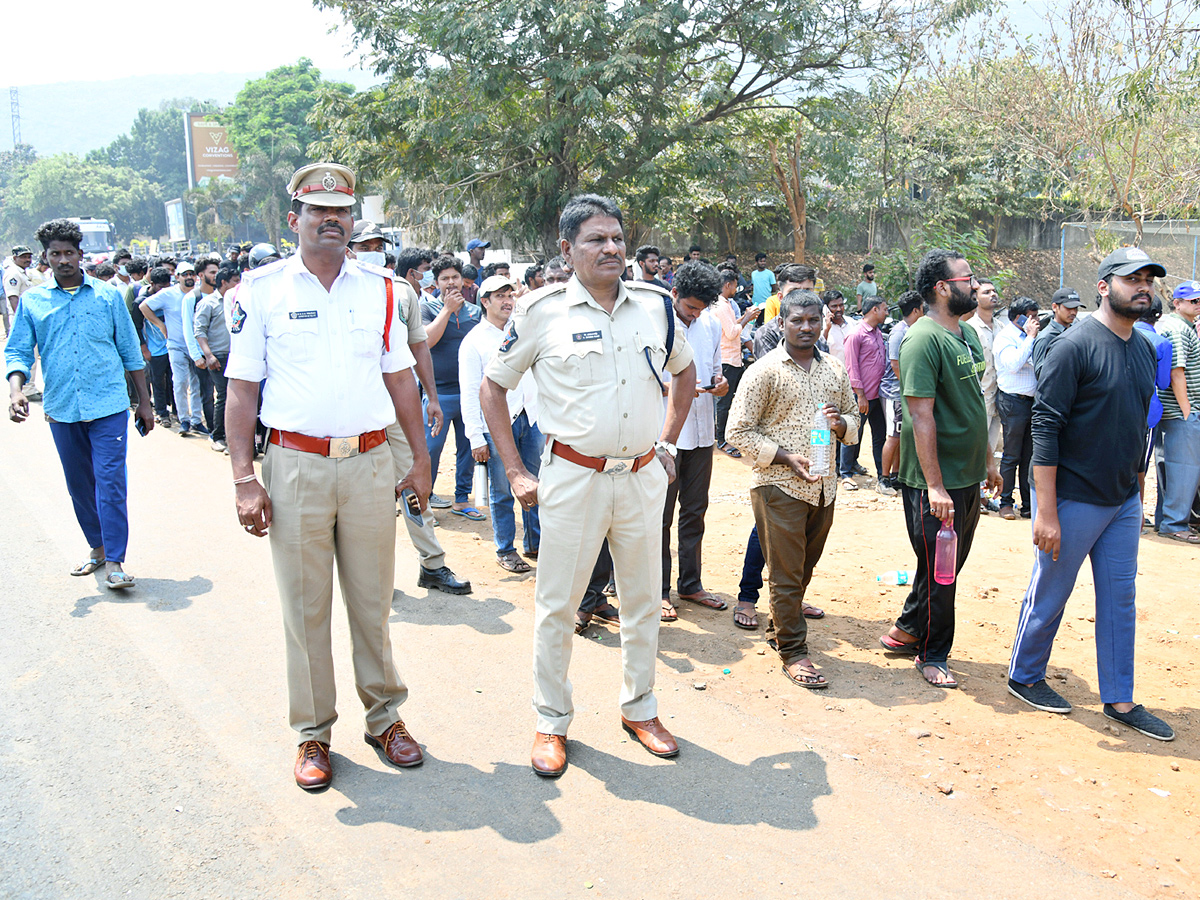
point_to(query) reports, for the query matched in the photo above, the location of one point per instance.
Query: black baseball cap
(1067, 297)
(1128, 260)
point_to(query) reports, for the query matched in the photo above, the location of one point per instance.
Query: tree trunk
(793, 195)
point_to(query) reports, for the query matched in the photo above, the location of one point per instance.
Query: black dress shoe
(442, 580)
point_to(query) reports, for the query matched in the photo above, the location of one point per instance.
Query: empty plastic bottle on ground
(903, 576)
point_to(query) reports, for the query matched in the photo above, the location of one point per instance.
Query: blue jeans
(1109, 535)
(93, 460)
(504, 523)
(1181, 459)
(752, 569)
(185, 379)
(464, 463)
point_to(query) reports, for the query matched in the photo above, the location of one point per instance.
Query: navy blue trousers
(93, 461)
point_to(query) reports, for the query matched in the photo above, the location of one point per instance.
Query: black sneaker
(442, 580)
(1039, 695)
(1140, 719)
(200, 429)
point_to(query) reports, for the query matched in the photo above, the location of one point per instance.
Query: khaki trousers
(579, 508)
(792, 534)
(424, 539)
(344, 510)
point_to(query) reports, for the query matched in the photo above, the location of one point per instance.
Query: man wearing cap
(16, 282)
(327, 329)
(1089, 433)
(366, 245)
(1181, 416)
(164, 311)
(475, 250)
(596, 346)
(478, 348)
(1065, 305)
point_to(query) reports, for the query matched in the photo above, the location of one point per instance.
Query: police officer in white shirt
(325, 333)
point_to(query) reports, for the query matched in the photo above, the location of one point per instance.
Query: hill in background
(78, 116)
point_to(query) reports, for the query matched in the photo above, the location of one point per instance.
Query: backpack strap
(670, 326)
(387, 323)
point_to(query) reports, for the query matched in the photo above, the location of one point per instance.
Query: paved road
(148, 754)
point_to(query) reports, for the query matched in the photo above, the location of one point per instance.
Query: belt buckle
(613, 466)
(340, 448)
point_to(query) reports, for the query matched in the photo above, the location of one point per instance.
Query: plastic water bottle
(903, 576)
(945, 554)
(820, 447)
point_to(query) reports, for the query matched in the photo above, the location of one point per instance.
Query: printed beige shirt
(774, 407)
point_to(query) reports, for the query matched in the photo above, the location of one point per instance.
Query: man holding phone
(697, 287)
(87, 342)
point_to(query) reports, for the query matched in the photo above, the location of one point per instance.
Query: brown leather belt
(335, 448)
(601, 463)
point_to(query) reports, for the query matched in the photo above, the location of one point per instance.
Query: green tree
(269, 128)
(510, 107)
(65, 185)
(218, 205)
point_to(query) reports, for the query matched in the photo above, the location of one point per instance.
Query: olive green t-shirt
(937, 363)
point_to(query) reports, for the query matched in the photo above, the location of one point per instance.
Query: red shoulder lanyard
(387, 323)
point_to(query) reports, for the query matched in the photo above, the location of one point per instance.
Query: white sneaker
(218, 446)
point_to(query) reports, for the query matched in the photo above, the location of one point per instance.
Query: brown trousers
(792, 534)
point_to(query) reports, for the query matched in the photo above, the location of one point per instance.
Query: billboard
(211, 155)
(176, 226)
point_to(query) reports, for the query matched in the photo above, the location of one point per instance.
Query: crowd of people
(595, 392)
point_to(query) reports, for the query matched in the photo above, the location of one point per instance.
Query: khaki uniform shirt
(774, 407)
(988, 382)
(597, 373)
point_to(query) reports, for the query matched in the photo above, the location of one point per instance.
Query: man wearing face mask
(165, 312)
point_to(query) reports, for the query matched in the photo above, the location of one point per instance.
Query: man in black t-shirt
(1089, 433)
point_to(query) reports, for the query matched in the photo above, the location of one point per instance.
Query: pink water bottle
(945, 554)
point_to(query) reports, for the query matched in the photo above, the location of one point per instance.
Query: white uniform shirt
(16, 281)
(704, 337)
(320, 352)
(474, 353)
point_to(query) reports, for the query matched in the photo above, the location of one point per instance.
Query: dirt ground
(1101, 797)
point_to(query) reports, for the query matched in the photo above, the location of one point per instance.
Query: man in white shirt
(328, 331)
(697, 287)
(1012, 350)
(497, 296)
(837, 326)
(18, 278)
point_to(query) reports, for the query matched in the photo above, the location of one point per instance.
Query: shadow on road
(157, 594)
(777, 790)
(485, 616)
(446, 796)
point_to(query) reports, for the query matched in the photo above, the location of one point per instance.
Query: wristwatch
(667, 447)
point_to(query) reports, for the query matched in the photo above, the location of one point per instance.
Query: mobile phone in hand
(139, 425)
(412, 506)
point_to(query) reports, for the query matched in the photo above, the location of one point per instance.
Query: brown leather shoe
(313, 769)
(652, 735)
(397, 745)
(549, 754)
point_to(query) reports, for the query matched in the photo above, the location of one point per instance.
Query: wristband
(245, 479)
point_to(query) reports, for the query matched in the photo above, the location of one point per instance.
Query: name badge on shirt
(303, 314)
(581, 336)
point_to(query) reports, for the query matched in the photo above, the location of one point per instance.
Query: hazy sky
(87, 41)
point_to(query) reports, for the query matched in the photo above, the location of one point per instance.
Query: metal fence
(1174, 243)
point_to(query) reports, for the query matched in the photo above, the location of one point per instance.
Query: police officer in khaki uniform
(326, 334)
(366, 245)
(597, 347)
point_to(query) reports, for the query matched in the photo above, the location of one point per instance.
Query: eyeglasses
(961, 278)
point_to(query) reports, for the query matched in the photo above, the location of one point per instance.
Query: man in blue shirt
(87, 342)
(165, 311)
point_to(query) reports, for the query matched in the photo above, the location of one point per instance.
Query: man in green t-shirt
(944, 453)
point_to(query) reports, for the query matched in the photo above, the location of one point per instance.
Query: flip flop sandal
(752, 615)
(812, 612)
(669, 613)
(87, 568)
(469, 512)
(941, 667)
(1184, 537)
(705, 598)
(608, 614)
(891, 645)
(124, 580)
(850, 484)
(513, 563)
(817, 683)
(731, 451)
(581, 625)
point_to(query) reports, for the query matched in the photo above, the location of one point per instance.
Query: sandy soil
(1102, 797)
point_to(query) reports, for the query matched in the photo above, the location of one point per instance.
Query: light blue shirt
(87, 342)
(189, 324)
(764, 281)
(1012, 349)
(168, 306)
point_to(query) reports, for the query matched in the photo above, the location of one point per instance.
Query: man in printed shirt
(793, 510)
(79, 326)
